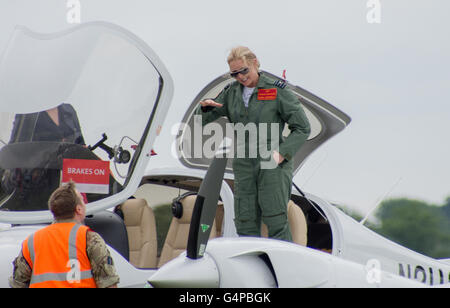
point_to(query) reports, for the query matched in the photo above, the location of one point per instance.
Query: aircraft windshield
(73, 106)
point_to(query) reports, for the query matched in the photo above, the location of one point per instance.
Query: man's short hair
(63, 201)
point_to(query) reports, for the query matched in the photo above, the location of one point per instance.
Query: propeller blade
(206, 203)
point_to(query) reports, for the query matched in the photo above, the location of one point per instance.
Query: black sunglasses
(243, 71)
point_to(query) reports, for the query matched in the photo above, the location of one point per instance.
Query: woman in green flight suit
(262, 188)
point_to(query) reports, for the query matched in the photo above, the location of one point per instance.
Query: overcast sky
(392, 78)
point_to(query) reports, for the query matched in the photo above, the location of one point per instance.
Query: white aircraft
(112, 93)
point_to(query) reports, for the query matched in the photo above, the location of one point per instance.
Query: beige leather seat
(141, 227)
(177, 236)
(297, 223)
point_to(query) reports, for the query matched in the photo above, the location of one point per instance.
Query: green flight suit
(262, 191)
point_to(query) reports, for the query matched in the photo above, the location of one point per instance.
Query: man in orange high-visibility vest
(66, 254)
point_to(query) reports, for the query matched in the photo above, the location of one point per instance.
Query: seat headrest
(133, 209)
(188, 204)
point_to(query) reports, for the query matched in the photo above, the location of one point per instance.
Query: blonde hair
(242, 53)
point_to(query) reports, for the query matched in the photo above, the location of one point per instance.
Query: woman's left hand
(277, 157)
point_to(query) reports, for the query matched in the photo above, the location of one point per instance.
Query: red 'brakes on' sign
(91, 176)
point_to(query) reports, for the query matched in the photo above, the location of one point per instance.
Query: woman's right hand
(210, 102)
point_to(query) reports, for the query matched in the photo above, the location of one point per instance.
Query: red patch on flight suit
(267, 94)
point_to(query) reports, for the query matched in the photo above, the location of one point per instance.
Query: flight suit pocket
(242, 208)
(274, 191)
(272, 205)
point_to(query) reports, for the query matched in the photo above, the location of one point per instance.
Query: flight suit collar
(263, 82)
(242, 114)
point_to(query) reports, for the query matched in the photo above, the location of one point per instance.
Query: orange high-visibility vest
(58, 258)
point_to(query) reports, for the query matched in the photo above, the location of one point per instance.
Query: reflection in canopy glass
(84, 94)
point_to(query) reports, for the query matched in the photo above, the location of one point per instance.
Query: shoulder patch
(280, 84)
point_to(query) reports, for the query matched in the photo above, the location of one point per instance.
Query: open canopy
(325, 120)
(81, 105)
